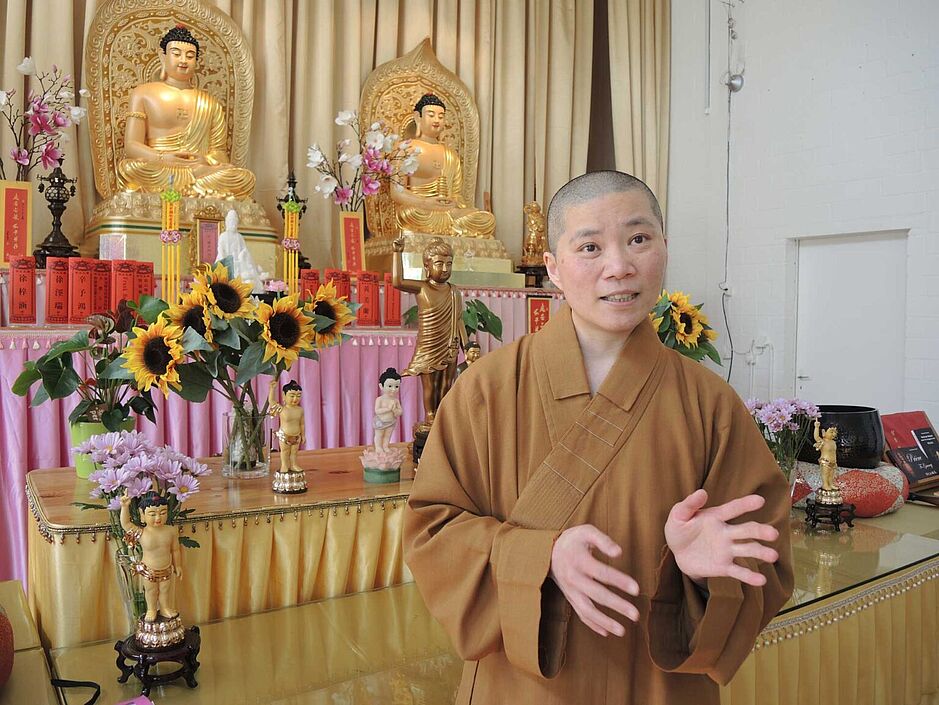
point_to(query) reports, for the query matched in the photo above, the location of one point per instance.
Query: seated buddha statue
(429, 201)
(177, 131)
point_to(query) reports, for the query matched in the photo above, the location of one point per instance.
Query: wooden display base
(185, 654)
(420, 438)
(833, 514)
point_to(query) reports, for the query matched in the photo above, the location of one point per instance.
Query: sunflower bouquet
(218, 337)
(683, 327)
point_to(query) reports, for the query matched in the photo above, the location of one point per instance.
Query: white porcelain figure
(232, 244)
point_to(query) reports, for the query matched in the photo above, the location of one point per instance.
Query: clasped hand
(702, 541)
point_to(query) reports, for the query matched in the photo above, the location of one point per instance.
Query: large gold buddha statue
(430, 201)
(176, 131)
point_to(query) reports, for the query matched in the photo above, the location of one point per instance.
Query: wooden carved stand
(143, 660)
(835, 514)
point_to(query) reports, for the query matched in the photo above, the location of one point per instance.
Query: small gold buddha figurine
(828, 464)
(159, 565)
(387, 409)
(174, 130)
(430, 201)
(472, 353)
(535, 244)
(440, 328)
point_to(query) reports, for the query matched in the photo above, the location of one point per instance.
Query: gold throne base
(133, 217)
(476, 261)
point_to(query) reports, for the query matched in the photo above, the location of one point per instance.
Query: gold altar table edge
(285, 550)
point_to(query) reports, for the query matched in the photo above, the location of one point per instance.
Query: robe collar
(560, 353)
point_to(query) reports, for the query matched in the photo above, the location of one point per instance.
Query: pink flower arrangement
(38, 131)
(128, 462)
(785, 425)
(378, 156)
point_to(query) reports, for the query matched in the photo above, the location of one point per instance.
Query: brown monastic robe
(486, 578)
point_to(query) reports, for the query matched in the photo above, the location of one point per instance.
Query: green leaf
(28, 377)
(188, 542)
(670, 339)
(229, 265)
(116, 370)
(39, 397)
(113, 418)
(80, 409)
(62, 382)
(243, 329)
(321, 323)
(88, 505)
(211, 359)
(143, 404)
(252, 363)
(193, 341)
(493, 324)
(228, 338)
(712, 353)
(218, 323)
(409, 317)
(470, 319)
(76, 343)
(309, 354)
(195, 380)
(150, 308)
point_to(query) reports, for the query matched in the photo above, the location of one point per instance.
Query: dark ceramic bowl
(860, 436)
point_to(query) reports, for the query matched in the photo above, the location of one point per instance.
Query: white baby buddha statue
(232, 244)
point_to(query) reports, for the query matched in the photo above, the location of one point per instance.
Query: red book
(913, 447)
(392, 303)
(57, 290)
(309, 283)
(22, 289)
(367, 295)
(123, 282)
(342, 281)
(144, 279)
(80, 289)
(101, 285)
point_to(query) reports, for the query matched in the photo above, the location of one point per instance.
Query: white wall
(836, 131)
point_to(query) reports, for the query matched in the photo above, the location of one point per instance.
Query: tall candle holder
(58, 189)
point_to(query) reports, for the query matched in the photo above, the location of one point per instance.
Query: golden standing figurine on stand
(290, 479)
(440, 329)
(828, 464)
(159, 567)
(828, 507)
(535, 245)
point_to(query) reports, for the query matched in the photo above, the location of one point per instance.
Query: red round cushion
(6, 648)
(873, 492)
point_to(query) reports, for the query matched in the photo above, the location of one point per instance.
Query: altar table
(339, 393)
(258, 550)
(861, 630)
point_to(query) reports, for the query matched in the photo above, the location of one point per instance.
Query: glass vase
(246, 451)
(128, 581)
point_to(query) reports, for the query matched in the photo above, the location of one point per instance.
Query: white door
(851, 324)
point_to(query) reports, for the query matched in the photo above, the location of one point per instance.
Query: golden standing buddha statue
(440, 328)
(175, 131)
(430, 200)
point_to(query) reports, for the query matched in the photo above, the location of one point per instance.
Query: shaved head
(588, 187)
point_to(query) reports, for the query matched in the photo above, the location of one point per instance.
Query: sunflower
(286, 329)
(153, 355)
(688, 324)
(191, 312)
(225, 297)
(679, 299)
(328, 305)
